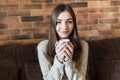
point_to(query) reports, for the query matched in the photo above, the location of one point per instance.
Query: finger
(70, 44)
(60, 47)
(61, 56)
(61, 53)
(70, 47)
(66, 57)
(68, 52)
(56, 43)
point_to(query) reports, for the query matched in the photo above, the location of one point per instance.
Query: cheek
(57, 29)
(71, 28)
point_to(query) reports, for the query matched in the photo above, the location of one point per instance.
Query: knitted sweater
(57, 70)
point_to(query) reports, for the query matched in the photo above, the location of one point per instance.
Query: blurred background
(28, 20)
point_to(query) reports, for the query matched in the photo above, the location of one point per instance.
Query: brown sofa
(104, 59)
(19, 61)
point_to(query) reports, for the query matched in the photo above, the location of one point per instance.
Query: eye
(58, 22)
(69, 21)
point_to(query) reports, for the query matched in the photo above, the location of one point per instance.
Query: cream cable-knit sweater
(57, 70)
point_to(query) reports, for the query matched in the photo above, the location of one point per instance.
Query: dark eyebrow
(67, 19)
(70, 19)
(59, 20)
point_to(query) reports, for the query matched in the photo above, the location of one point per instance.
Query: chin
(64, 37)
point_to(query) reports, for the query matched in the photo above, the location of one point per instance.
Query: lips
(64, 32)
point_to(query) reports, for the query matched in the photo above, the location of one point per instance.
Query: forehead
(64, 15)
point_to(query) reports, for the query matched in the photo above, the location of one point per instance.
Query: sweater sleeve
(54, 72)
(79, 73)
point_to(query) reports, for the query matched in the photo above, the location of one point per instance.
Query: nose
(64, 25)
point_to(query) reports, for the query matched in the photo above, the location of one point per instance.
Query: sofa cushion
(32, 71)
(29, 52)
(9, 55)
(104, 59)
(9, 73)
(12, 59)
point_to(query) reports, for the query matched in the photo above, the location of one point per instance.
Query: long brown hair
(53, 37)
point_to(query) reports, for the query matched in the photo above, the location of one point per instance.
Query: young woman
(64, 56)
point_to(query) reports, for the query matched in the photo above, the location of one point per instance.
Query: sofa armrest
(9, 73)
(32, 71)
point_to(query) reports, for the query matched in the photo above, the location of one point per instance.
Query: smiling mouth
(64, 32)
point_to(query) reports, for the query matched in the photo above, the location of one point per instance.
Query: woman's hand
(64, 50)
(68, 51)
(59, 51)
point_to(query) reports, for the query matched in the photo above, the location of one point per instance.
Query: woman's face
(64, 25)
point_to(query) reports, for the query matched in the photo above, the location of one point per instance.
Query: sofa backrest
(104, 59)
(19, 62)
